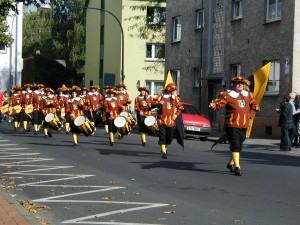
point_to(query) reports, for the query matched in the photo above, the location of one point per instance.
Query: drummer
(15, 100)
(112, 109)
(49, 105)
(75, 108)
(143, 109)
(37, 108)
(104, 121)
(26, 117)
(124, 99)
(61, 112)
(95, 102)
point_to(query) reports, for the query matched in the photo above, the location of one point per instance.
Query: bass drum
(150, 122)
(53, 121)
(122, 125)
(86, 126)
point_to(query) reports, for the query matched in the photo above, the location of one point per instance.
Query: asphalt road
(130, 184)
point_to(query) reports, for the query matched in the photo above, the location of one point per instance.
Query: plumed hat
(40, 86)
(144, 89)
(239, 79)
(76, 89)
(112, 91)
(170, 87)
(94, 87)
(121, 85)
(17, 87)
(108, 87)
(48, 90)
(27, 86)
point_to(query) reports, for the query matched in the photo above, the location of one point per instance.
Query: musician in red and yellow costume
(37, 116)
(169, 107)
(49, 104)
(63, 97)
(112, 109)
(142, 106)
(104, 120)
(27, 97)
(124, 99)
(75, 108)
(95, 102)
(15, 100)
(239, 104)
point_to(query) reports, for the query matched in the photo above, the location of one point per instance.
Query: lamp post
(122, 33)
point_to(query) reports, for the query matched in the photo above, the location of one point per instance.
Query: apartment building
(11, 57)
(210, 41)
(115, 49)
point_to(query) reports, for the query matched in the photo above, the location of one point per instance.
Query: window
(237, 10)
(156, 15)
(200, 18)
(235, 70)
(2, 49)
(274, 78)
(155, 87)
(155, 51)
(176, 78)
(273, 10)
(197, 77)
(176, 28)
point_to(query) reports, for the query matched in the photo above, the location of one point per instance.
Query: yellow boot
(236, 160)
(46, 132)
(106, 128)
(67, 128)
(230, 164)
(111, 138)
(75, 140)
(36, 130)
(25, 126)
(163, 151)
(143, 138)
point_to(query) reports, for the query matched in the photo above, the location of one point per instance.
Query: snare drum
(129, 118)
(53, 121)
(86, 126)
(122, 125)
(150, 122)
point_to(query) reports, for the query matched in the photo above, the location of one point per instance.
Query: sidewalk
(12, 213)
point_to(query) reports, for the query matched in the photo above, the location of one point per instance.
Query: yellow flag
(169, 79)
(261, 78)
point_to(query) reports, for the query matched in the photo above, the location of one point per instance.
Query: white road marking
(6, 154)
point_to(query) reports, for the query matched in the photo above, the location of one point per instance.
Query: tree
(7, 6)
(151, 28)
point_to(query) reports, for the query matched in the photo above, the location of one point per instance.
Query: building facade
(104, 49)
(11, 57)
(210, 41)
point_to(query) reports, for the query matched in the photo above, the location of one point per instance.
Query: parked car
(195, 123)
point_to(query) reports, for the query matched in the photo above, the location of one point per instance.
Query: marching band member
(86, 109)
(104, 120)
(124, 99)
(27, 96)
(112, 109)
(95, 102)
(169, 108)
(37, 108)
(239, 104)
(63, 98)
(49, 105)
(143, 109)
(75, 108)
(15, 100)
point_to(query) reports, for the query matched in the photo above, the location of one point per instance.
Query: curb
(11, 200)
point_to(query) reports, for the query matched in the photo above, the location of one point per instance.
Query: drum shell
(55, 123)
(86, 127)
(122, 125)
(129, 118)
(151, 123)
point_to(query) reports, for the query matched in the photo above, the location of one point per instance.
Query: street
(131, 184)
